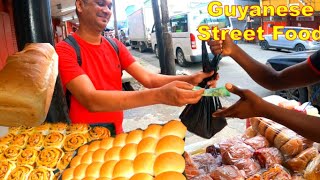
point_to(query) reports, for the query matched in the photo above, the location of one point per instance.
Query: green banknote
(217, 92)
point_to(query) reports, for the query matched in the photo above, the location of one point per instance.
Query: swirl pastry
(49, 157)
(41, 173)
(5, 168)
(60, 127)
(35, 141)
(7, 139)
(54, 139)
(20, 140)
(27, 157)
(78, 128)
(99, 132)
(43, 128)
(73, 141)
(65, 160)
(14, 130)
(2, 148)
(20, 172)
(11, 153)
(26, 130)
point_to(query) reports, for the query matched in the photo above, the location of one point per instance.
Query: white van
(183, 28)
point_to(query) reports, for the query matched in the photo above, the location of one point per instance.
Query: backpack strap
(113, 44)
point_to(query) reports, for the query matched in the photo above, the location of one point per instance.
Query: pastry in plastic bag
(236, 153)
(205, 162)
(249, 133)
(293, 147)
(257, 142)
(313, 169)
(299, 163)
(277, 172)
(227, 172)
(249, 166)
(268, 157)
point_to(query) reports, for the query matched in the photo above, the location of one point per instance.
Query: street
(229, 71)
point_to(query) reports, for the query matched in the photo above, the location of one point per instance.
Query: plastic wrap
(249, 133)
(257, 142)
(237, 152)
(299, 163)
(313, 169)
(227, 172)
(205, 162)
(268, 157)
(276, 172)
(202, 177)
(249, 166)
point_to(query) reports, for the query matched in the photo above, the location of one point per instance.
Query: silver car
(283, 43)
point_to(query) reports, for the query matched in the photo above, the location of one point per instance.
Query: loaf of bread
(299, 163)
(26, 85)
(313, 169)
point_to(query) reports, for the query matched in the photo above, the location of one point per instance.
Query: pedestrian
(96, 85)
(251, 105)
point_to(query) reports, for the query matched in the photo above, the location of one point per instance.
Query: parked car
(283, 43)
(184, 31)
(302, 94)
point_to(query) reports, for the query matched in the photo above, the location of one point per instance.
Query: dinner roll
(113, 154)
(153, 130)
(103, 178)
(170, 144)
(94, 146)
(106, 143)
(128, 152)
(134, 137)
(169, 162)
(124, 168)
(75, 161)
(87, 157)
(175, 128)
(106, 169)
(143, 163)
(83, 149)
(147, 145)
(170, 175)
(141, 176)
(80, 171)
(68, 174)
(98, 155)
(120, 178)
(93, 170)
(120, 140)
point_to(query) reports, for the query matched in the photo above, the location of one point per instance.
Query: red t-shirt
(103, 66)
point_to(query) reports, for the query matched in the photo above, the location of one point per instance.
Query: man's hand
(200, 76)
(178, 93)
(249, 105)
(226, 47)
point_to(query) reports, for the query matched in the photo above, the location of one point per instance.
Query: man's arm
(152, 80)
(175, 93)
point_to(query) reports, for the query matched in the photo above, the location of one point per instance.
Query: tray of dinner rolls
(43, 152)
(153, 153)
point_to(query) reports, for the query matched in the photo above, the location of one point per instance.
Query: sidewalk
(159, 114)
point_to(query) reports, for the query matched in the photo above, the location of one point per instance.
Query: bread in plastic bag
(228, 172)
(237, 152)
(268, 157)
(300, 162)
(249, 133)
(249, 166)
(277, 172)
(257, 142)
(313, 169)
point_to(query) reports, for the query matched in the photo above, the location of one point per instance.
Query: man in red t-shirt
(96, 86)
(250, 105)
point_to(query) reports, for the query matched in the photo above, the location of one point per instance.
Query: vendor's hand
(200, 76)
(225, 47)
(178, 93)
(249, 105)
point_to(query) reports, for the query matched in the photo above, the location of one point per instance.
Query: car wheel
(300, 95)
(181, 59)
(264, 45)
(299, 47)
(156, 51)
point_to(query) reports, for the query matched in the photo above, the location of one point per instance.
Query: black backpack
(73, 43)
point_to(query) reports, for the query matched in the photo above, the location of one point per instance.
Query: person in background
(251, 105)
(96, 85)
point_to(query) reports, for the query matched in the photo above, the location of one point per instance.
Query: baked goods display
(42, 152)
(154, 153)
(27, 82)
(267, 150)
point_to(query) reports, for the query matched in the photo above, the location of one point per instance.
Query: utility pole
(167, 38)
(115, 19)
(160, 44)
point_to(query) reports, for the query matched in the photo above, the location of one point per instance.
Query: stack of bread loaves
(155, 153)
(26, 85)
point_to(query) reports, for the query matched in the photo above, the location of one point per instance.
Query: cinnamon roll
(2, 148)
(60, 127)
(11, 153)
(20, 172)
(41, 173)
(36, 141)
(49, 157)
(27, 157)
(26, 130)
(99, 132)
(78, 128)
(65, 160)
(7, 139)
(43, 128)
(20, 140)
(74, 141)
(14, 130)
(54, 139)
(5, 168)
